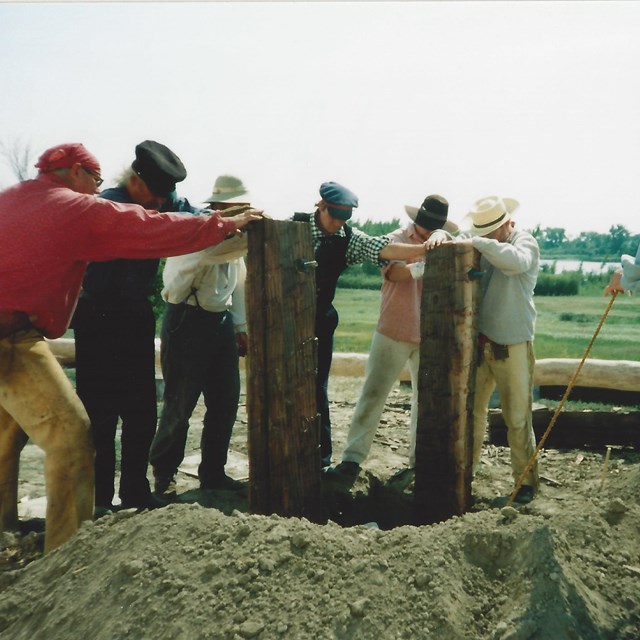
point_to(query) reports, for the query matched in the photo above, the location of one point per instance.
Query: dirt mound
(191, 572)
(565, 566)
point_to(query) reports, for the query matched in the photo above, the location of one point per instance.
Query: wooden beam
(283, 422)
(446, 375)
(576, 429)
(621, 375)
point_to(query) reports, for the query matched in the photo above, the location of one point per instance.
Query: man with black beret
(115, 329)
(336, 246)
(56, 226)
(396, 340)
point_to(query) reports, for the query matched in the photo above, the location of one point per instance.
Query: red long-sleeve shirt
(48, 234)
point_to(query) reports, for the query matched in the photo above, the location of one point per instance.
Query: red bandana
(64, 156)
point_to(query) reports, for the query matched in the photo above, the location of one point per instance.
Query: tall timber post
(283, 423)
(446, 381)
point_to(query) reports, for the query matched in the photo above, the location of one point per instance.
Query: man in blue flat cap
(336, 246)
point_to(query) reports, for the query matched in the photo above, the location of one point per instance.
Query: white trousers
(387, 358)
(514, 379)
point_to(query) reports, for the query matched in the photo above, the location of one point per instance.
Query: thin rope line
(533, 457)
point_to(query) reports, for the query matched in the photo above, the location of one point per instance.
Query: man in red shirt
(51, 227)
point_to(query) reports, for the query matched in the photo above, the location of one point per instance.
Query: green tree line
(554, 244)
(588, 245)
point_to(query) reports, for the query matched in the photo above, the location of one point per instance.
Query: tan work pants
(37, 401)
(514, 378)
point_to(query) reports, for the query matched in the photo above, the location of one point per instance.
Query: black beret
(159, 167)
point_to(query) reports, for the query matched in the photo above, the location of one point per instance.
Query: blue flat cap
(339, 200)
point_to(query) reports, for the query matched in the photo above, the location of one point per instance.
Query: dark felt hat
(432, 214)
(159, 167)
(339, 200)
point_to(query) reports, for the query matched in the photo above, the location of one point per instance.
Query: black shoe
(525, 494)
(102, 510)
(223, 483)
(31, 524)
(164, 487)
(148, 503)
(346, 469)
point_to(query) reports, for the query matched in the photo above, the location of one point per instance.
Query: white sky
(539, 101)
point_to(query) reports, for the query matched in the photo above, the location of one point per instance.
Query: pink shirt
(400, 303)
(48, 234)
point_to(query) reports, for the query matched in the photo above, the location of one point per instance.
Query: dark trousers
(326, 325)
(199, 356)
(115, 378)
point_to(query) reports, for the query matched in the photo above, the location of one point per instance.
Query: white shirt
(213, 279)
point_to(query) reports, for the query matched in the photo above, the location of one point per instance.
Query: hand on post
(436, 238)
(614, 284)
(243, 219)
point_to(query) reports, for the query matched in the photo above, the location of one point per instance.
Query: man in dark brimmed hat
(506, 324)
(56, 225)
(115, 330)
(337, 246)
(396, 341)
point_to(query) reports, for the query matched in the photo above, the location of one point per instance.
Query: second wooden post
(446, 380)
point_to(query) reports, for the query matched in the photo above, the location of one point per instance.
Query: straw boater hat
(228, 189)
(488, 214)
(432, 214)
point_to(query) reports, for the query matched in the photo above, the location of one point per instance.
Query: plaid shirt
(362, 247)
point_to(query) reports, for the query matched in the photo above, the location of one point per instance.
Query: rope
(533, 457)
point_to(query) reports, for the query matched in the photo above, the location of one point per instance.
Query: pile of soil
(565, 566)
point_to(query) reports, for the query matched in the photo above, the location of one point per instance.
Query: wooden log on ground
(283, 422)
(446, 376)
(576, 429)
(621, 375)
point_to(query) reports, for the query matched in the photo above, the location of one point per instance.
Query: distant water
(587, 267)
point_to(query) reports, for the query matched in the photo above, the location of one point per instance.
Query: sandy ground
(565, 566)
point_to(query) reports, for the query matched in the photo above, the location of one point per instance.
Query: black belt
(13, 321)
(193, 307)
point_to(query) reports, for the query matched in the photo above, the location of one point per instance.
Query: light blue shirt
(507, 312)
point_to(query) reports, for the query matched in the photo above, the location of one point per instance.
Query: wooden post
(446, 381)
(283, 422)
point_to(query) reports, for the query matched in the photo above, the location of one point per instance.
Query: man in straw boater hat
(510, 261)
(336, 246)
(56, 226)
(204, 332)
(396, 341)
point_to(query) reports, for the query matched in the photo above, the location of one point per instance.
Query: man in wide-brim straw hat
(396, 340)
(204, 332)
(510, 261)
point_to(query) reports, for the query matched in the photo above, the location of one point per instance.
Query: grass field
(564, 327)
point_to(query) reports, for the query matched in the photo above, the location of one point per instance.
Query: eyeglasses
(95, 176)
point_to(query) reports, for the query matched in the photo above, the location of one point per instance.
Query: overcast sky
(539, 101)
